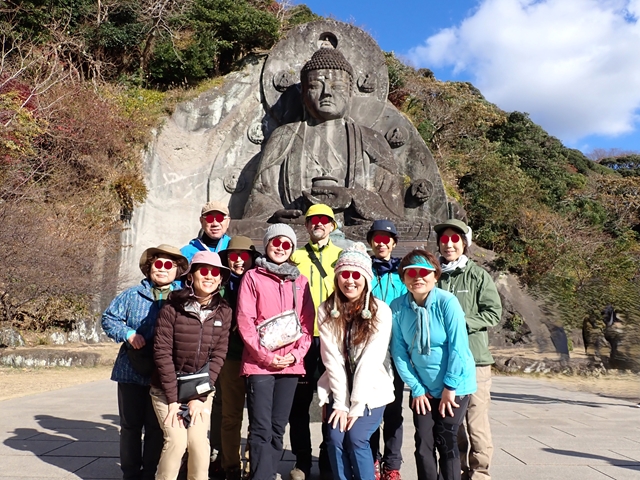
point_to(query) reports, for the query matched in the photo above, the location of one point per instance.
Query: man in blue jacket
(214, 223)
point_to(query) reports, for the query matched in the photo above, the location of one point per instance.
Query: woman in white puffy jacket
(355, 330)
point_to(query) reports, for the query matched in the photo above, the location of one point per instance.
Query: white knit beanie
(356, 259)
(279, 230)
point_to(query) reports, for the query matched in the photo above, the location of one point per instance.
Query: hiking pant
(474, 441)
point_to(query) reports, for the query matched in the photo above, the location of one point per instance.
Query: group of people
(215, 323)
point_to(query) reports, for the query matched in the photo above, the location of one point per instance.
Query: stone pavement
(540, 432)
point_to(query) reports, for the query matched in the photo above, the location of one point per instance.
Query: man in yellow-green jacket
(315, 261)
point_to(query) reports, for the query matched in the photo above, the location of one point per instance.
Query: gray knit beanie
(279, 230)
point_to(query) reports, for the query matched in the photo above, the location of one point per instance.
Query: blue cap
(382, 226)
(418, 261)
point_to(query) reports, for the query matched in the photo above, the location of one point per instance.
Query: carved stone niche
(367, 161)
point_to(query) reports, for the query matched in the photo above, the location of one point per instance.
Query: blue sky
(573, 65)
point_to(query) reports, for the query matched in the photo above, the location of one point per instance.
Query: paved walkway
(541, 432)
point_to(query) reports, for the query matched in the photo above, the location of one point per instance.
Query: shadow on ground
(540, 400)
(57, 439)
(630, 464)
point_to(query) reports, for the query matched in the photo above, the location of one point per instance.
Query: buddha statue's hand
(286, 216)
(371, 206)
(338, 198)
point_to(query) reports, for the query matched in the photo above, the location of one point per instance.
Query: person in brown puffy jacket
(192, 331)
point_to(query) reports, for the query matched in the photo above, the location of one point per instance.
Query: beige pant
(194, 439)
(474, 436)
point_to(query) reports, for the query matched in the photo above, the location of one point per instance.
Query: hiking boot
(298, 474)
(389, 474)
(376, 470)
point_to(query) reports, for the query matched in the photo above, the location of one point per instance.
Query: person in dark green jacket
(477, 294)
(387, 286)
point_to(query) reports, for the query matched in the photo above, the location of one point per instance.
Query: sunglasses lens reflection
(418, 272)
(354, 275)
(218, 217)
(319, 219)
(215, 271)
(277, 243)
(455, 238)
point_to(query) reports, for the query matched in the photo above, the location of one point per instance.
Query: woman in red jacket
(192, 334)
(269, 294)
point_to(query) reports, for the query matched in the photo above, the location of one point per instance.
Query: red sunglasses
(455, 238)
(244, 256)
(204, 271)
(276, 242)
(218, 217)
(168, 265)
(382, 239)
(418, 272)
(354, 275)
(323, 219)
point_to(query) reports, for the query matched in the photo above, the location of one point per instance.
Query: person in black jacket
(192, 334)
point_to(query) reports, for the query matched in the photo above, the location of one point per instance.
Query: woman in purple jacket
(272, 372)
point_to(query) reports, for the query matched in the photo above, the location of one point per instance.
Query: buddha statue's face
(327, 93)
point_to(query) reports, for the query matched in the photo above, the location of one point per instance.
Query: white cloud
(574, 65)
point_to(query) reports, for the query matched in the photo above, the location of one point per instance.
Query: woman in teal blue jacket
(387, 286)
(430, 349)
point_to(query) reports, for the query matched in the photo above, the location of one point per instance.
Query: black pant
(269, 399)
(391, 428)
(136, 414)
(299, 418)
(435, 432)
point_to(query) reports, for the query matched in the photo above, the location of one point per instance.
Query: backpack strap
(315, 260)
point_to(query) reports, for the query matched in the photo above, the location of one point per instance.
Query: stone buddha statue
(326, 157)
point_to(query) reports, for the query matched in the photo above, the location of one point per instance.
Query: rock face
(10, 337)
(524, 322)
(211, 148)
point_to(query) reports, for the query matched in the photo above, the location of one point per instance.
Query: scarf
(286, 270)
(452, 266)
(384, 266)
(422, 336)
(199, 310)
